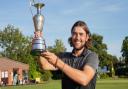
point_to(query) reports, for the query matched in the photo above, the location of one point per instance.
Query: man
(79, 66)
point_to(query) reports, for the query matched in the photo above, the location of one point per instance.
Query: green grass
(112, 84)
(101, 84)
(54, 84)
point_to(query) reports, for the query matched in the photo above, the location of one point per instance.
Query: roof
(6, 63)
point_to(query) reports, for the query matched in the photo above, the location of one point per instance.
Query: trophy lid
(39, 5)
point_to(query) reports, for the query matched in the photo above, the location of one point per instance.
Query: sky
(108, 18)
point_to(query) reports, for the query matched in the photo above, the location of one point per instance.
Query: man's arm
(82, 77)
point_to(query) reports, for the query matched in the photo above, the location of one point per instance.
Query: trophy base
(37, 52)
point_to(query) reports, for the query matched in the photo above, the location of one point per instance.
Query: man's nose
(77, 36)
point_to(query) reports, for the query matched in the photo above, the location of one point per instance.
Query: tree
(124, 49)
(14, 44)
(58, 47)
(100, 48)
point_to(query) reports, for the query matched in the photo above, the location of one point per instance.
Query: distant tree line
(17, 46)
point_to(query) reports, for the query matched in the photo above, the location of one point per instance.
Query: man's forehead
(78, 29)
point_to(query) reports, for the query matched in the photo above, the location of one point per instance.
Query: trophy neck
(39, 6)
(38, 11)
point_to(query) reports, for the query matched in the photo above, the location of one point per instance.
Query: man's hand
(45, 65)
(51, 57)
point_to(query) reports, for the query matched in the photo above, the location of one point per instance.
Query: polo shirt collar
(82, 54)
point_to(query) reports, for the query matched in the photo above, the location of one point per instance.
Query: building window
(4, 74)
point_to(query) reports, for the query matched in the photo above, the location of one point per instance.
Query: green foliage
(36, 74)
(104, 76)
(46, 75)
(97, 41)
(32, 70)
(124, 49)
(14, 44)
(58, 47)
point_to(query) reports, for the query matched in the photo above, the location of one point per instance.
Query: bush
(46, 75)
(104, 75)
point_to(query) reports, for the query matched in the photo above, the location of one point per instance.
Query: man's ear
(87, 37)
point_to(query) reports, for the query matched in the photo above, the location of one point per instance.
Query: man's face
(79, 37)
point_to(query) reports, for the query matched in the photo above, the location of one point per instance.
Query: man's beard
(80, 48)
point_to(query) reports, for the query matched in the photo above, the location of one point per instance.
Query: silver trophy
(38, 43)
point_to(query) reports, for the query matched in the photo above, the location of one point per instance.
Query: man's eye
(81, 34)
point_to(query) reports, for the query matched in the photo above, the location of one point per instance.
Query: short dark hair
(86, 29)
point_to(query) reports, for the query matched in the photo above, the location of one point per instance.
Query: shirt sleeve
(93, 60)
